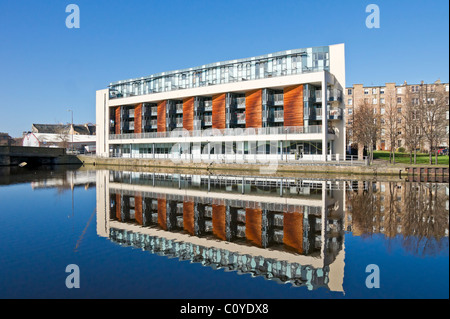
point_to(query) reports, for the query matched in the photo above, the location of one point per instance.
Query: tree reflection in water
(417, 212)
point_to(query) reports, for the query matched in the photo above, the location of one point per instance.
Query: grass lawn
(404, 158)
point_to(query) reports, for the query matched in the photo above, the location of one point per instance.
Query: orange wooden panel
(117, 120)
(162, 216)
(293, 231)
(188, 217)
(218, 111)
(218, 221)
(118, 207)
(138, 209)
(138, 118)
(161, 116)
(188, 114)
(253, 225)
(253, 109)
(293, 106)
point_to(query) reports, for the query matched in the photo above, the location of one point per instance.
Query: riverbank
(377, 169)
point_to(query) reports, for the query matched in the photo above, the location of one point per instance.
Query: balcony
(335, 113)
(240, 102)
(279, 130)
(131, 113)
(179, 108)
(334, 95)
(278, 99)
(241, 118)
(208, 120)
(278, 116)
(208, 106)
(315, 113)
(154, 124)
(179, 122)
(154, 111)
(318, 96)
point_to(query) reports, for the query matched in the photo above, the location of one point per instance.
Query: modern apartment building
(281, 106)
(400, 97)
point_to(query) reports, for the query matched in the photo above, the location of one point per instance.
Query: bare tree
(434, 117)
(413, 123)
(63, 136)
(391, 124)
(366, 127)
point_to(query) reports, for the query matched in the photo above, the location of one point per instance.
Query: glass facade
(271, 65)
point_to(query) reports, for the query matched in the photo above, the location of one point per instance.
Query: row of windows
(414, 101)
(399, 90)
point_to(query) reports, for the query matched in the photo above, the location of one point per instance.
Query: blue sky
(46, 68)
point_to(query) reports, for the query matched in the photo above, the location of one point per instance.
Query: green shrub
(401, 150)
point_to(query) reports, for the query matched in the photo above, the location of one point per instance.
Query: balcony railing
(333, 95)
(131, 113)
(179, 107)
(240, 102)
(240, 118)
(207, 105)
(154, 111)
(208, 120)
(277, 130)
(179, 122)
(335, 113)
(315, 113)
(278, 116)
(278, 99)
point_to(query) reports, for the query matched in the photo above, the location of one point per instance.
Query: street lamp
(72, 127)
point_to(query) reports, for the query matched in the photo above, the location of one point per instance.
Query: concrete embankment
(280, 169)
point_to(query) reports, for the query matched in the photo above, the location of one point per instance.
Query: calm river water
(188, 236)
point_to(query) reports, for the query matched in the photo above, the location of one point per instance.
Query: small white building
(81, 138)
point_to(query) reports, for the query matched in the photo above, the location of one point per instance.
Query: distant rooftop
(80, 129)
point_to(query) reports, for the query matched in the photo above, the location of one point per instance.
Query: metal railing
(278, 115)
(208, 119)
(279, 130)
(240, 102)
(278, 99)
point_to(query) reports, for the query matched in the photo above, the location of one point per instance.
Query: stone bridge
(14, 155)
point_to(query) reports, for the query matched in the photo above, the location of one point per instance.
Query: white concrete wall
(102, 122)
(337, 68)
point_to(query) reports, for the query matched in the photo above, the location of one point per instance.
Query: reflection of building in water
(230, 222)
(67, 181)
(417, 211)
